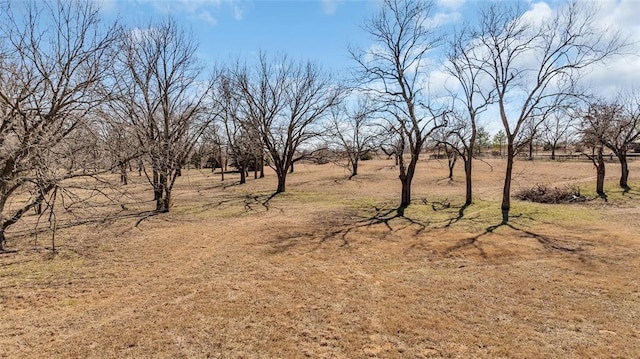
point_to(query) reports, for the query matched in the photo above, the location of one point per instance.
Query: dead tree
(557, 127)
(469, 102)
(349, 132)
(53, 57)
(241, 137)
(394, 72)
(622, 131)
(284, 100)
(533, 65)
(160, 93)
(614, 126)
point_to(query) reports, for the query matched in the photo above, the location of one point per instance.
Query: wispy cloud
(207, 17)
(329, 7)
(204, 10)
(451, 4)
(238, 11)
(442, 18)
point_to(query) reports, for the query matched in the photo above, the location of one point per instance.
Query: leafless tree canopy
(283, 100)
(613, 125)
(159, 93)
(467, 104)
(533, 64)
(351, 133)
(394, 71)
(52, 61)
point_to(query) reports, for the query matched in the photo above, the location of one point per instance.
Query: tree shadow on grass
(393, 220)
(387, 216)
(109, 219)
(547, 242)
(458, 217)
(262, 200)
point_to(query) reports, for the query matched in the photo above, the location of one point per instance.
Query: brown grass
(327, 270)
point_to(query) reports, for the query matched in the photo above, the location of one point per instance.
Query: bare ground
(329, 270)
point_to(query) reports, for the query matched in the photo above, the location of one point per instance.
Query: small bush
(542, 194)
(367, 156)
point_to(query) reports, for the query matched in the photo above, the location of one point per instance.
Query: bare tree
(350, 132)
(390, 142)
(283, 100)
(215, 148)
(160, 93)
(450, 140)
(530, 133)
(52, 60)
(119, 143)
(623, 131)
(556, 127)
(394, 72)
(471, 100)
(242, 138)
(593, 129)
(616, 126)
(533, 64)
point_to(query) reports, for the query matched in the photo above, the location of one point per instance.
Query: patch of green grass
(559, 214)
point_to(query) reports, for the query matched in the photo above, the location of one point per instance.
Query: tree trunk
(553, 151)
(158, 192)
(354, 168)
(262, 166)
(405, 199)
(243, 174)
(452, 164)
(506, 190)
(406, 179)
(223, 168)
(157, 188)
(531, 150)
(123, 174)
(467, 174)
(291, 168)
(2, 240)
(167, 200)
(624, 175)
(600, 173)
(15, 217)
(282, 179)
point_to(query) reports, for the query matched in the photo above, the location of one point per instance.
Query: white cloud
(444, 18)
(538, 13)
(238, 12)
(451, 4)
(329, 7)
(205, 10)
(620, 73)
(207, 17)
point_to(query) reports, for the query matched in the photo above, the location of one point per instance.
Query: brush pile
(541, 193)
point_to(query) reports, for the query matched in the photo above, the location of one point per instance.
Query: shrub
(367, 156)
(540, 193)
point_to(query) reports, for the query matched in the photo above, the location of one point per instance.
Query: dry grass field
(328, 270)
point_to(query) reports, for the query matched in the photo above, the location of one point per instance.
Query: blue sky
(322, 30)
(317, 30)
